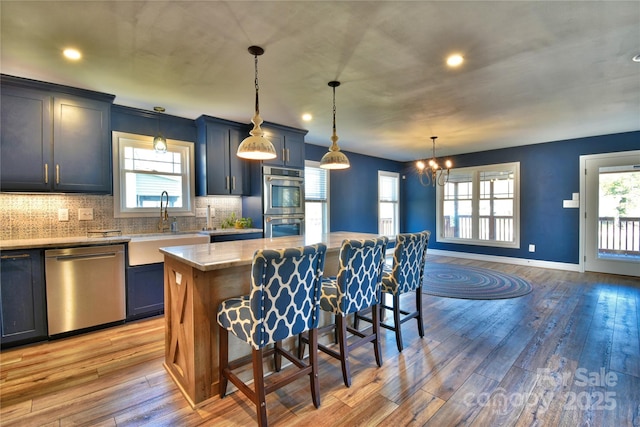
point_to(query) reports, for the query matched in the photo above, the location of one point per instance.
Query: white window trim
(516, 207)
(314, 164)
(395, 175)
(120, 139)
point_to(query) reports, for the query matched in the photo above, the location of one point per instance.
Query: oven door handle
(272, 218)
(283, 178)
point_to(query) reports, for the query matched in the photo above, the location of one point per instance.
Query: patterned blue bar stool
(356, 287)
(284, 302)
(405, 274)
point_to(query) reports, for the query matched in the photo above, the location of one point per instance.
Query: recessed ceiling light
(307, 117)
(73, 54)
(636, 58)
(455, 60)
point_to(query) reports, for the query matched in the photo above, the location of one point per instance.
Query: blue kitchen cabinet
(145, 290)
(289, 145)
(23, 310)
(54, 138)
(219, 171)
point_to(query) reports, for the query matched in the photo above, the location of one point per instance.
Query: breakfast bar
(196, 279)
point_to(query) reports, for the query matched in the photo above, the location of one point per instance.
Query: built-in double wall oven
(283, 192)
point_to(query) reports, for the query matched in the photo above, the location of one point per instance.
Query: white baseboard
(508, 260)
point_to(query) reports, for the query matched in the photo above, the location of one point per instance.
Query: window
(388, 203)
(480, 206)
(316, 206)
(140, 175)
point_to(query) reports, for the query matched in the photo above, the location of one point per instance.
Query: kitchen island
(196, 279)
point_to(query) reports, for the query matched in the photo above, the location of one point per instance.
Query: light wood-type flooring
(566, 354)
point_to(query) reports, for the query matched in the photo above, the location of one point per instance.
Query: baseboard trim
(508, 260)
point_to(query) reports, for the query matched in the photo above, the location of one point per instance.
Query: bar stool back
(356, 287)
(284, 302)
(405, 275)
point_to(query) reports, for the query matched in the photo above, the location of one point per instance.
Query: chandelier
(430, 171)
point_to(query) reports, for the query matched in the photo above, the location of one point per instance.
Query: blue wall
(354, 191)
(549, 174)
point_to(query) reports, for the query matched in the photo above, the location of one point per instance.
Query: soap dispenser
(174, 224)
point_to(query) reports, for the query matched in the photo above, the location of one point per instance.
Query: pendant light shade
(160, 143)
(334, 158)
(256, 146)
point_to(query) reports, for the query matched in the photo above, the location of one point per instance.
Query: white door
(610, 212)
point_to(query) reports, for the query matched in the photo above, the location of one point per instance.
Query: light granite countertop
(214, 256)
(66, 242)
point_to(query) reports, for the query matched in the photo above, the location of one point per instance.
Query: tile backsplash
(33, 216)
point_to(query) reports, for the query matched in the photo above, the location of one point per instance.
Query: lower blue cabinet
(145, 290)
(23, 308)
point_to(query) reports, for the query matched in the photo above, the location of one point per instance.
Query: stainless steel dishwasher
(85, 287)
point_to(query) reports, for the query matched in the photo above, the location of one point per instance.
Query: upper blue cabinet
(218, 170)
(54, 138)
(289, 145)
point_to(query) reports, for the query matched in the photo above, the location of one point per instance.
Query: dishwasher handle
(87, 256)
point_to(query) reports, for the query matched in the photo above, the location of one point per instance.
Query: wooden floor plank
(537, 347)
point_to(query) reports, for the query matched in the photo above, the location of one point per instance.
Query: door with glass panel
(611, 219)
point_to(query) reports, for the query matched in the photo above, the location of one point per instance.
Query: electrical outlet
(63, 214)
(201, 212)
(85, 214)
(532, 248)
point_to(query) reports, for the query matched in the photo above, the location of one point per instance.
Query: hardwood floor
(566, 354)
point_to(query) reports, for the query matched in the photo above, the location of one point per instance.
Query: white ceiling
(533, 72)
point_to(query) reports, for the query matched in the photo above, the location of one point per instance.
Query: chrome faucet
(163, 224)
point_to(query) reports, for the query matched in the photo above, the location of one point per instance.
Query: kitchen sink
(144, 249)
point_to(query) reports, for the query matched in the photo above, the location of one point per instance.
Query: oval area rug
(465, 282)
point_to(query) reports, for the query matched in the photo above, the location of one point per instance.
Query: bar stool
(284, 302)
(356, 287)
(405, 275)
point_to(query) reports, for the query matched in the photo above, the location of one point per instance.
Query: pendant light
(430, 172)
(159, 142)
(256, 146)
(334, 159)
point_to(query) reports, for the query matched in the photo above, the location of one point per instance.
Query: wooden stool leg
(419, 309)
(375, 317)
(396, 320)
(223, 360)
(313, 361)
(341, 326)
(277, 356)
(258, 381)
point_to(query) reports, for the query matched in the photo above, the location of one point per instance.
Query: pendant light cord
(256, 84)
(334, 109)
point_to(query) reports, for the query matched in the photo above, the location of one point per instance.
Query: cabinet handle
(57, 174)
(46, 173)
(226, 184)
(233, 183)
(15, 256)
(284, 154)
(288, 155)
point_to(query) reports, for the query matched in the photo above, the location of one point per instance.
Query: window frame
(120, 140)
(327, 217)
(475, 202)
(396, 225)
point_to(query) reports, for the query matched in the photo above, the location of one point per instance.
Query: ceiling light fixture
(430, 171)
(455, 60)
(256, 146)
(159, 142)
(71, 53)
(334, 159)
(307, 117)
(636, 58)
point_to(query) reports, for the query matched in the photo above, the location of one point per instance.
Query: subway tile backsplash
(34, 216)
